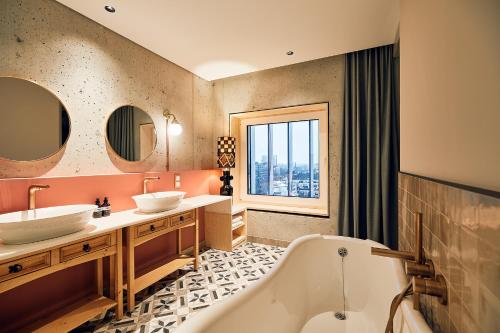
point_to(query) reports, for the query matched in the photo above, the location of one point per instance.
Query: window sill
(286, 209)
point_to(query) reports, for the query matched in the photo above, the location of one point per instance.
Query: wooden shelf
(238, 240)
(236, 209)
(158, 270)
(73, 316)
(238, 226)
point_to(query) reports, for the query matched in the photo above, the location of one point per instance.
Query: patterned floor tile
(165, 305)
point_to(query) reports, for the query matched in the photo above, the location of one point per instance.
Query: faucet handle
(433, 287)
(413, 268)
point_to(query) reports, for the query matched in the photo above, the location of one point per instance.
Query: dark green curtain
(370, 146)
(121, 132)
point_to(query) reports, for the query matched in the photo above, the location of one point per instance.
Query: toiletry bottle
(106, 207)
(97, 212)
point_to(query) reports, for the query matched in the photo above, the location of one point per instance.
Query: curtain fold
(370, 146)
(121, 132)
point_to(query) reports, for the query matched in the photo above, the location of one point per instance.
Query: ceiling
(221, 38)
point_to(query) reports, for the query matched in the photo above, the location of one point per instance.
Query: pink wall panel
(118, 188)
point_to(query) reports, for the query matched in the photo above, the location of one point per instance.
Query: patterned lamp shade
(226, 146)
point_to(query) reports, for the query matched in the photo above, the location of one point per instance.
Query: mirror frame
(63, 146)
(108, 144)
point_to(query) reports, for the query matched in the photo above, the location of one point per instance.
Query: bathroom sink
(43, 223)
(158, 201)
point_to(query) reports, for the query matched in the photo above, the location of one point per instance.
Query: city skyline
(294, 166)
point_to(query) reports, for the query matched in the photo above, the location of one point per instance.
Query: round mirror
(131, 133)
(34, 124)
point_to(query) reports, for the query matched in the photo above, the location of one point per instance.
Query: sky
(300, 141)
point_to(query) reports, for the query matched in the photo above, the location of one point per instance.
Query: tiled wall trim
(462, 237)
(268, 241)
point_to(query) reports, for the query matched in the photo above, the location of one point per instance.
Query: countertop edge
(115, 221)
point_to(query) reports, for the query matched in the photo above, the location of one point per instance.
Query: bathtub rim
(207, 317)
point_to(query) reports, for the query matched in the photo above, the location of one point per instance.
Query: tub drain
(342, 252)
(339, 315)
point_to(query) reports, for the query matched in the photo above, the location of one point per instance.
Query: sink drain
(339, 315)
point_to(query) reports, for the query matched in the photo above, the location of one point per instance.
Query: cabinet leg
(112, 277)
(99, 276)
(179, 241)
(196, 245)
(130, 270)
(118, 264)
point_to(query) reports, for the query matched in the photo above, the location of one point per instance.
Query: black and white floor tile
(166, 304)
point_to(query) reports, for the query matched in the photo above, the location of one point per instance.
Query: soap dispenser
(98, 211)
(106, 207)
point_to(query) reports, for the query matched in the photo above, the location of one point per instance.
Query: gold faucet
(146, 181)
(424, 279)
(417, 256)
(31, 194)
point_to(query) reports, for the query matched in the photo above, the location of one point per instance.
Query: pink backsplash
(118, 188)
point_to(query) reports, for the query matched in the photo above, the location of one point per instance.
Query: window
(282, 159)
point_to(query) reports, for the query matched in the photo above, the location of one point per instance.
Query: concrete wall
(450, 100)
(310, 82)
(93, 70)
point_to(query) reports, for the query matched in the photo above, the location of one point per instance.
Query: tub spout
(393, 254)
(396, 301)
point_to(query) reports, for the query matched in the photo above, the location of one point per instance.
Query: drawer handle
(182, 218)
(15, 268)
(86, 247)
(152, 227)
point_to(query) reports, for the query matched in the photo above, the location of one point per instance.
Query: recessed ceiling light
(110, 9)
(289, 53)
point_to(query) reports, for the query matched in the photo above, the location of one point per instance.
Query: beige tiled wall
(462, 237)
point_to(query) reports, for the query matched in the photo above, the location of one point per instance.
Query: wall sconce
(174, 128)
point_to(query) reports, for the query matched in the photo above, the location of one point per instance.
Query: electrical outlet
(177, 182)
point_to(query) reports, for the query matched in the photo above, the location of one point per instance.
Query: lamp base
(226, 188)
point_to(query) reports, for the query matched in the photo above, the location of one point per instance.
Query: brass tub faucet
(423, 276)
(434, 287)
(32, 194)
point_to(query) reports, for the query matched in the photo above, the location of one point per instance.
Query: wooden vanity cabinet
(139, 234)
(15, 272)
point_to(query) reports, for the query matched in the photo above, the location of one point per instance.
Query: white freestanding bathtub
(304, 290)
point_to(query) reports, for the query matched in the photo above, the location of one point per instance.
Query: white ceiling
(221, 38)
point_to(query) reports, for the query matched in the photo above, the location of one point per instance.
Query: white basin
(158, 201)
(43, 223)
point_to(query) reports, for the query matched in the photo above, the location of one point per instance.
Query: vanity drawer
(85, 247)
(24, 265)
(182, 219)
(150, 227)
